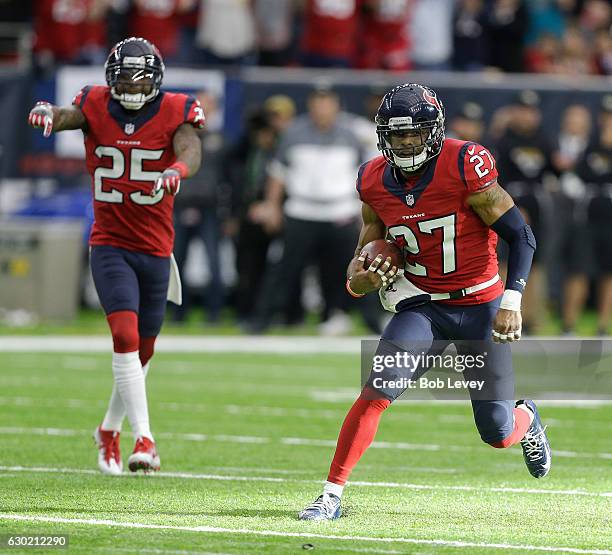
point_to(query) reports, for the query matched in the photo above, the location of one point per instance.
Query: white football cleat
(325, 507)
(109, 455)
(144, 457)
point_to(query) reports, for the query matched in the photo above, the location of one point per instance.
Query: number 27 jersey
(125, 152)
(447, 246)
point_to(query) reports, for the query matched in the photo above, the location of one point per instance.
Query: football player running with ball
(439, 199)
(139, 144)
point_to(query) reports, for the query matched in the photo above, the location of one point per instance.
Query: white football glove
(170, 179)
(42, 116)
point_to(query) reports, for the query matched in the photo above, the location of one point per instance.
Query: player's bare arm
(56, 118)
(362, 280)
(187, 147)
(491, 204)
(496, 209)
(188, 151)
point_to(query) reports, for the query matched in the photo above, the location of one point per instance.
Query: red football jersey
(383, 37)
(447, 246)
(64, 27)
(125, 152)
(330, 27)
(158, 22)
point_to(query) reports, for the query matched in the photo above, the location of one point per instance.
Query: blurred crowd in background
(542, 36)
(290, 223)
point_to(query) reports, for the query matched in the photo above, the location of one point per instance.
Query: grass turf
(245, 441)
(90, 321)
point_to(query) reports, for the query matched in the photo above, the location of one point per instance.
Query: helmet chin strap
(412, 163)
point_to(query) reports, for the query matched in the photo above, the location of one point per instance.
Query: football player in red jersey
(140, 143)
(439, 199)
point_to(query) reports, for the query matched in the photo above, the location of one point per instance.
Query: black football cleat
(325, 507)
(536, 449)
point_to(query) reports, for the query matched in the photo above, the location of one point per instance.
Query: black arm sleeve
(511, 227)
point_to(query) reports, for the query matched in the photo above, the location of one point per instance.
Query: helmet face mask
(414, 112)
(134, 72)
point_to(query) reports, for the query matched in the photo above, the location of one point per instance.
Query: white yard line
(263, 410)
(276, 479)
(349, 394)
(306, 535)
(267, 440)
(107, 549)
(280, 344)
(187, 344)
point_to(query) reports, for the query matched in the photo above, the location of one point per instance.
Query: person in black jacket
(595, 174)
(198, 213)
(248, 162)
(523, 155)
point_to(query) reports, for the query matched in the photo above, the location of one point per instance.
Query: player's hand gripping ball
(42, 116)
(384, 258)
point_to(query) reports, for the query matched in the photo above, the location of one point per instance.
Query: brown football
(386, 248)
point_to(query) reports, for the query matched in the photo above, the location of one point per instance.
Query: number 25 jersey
(125, 151)
(447, 246)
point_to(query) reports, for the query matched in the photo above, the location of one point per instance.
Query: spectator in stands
(595, 173)
(572, 139)
(603, 53)
(314, 168)
(468, 124)
(69, 31)
(383, 35)
(199, 210)
(329, 33)
(187, 19)
(507, 22)
(596, 16)
(548, 17)
(596, 24)
(571, 143)
(275, 23)
(247, 166)
(469, 37)
(159, 22)
(363, 125)
(280, 110)
(543, 55)
(431, 32)
(522, 152)
(576, 57)
(226, 33)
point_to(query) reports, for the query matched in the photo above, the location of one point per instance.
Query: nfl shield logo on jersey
(129, 128)
(410, 200)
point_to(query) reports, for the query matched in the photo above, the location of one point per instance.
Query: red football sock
(146, 348)
(521, 425)
(124, 329)
(356, 435)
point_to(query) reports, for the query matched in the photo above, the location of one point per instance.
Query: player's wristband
(511, 300)
(351, 292)
(180, 167)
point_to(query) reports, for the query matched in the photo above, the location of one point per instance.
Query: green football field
(245, 442)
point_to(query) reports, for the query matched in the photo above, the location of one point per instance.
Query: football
(386, 248)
